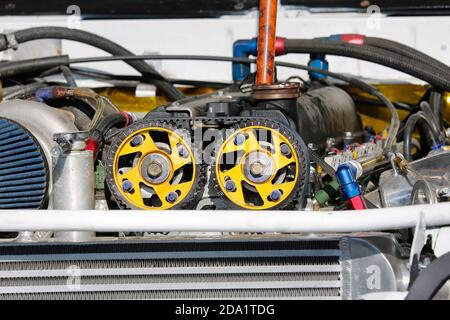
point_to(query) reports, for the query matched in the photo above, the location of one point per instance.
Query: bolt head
(172, 197)
(230, 185)
(239, 139)
(257, 168)
(275, 195)
(127, 186)
(285, 150)
(137, 140)
(56, 151)
(182, 152)
(154, 169)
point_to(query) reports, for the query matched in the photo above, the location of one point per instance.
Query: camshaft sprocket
(151, 165)
(261, 165)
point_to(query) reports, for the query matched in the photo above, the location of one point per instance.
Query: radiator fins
(263, 294)
(23, 169)
(184, 270)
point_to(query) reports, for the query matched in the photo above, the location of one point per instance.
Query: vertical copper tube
(265, 69)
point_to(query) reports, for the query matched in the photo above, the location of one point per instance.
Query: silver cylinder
(73, 188)
(43, 122)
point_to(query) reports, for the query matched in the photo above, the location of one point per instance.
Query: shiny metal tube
(73, 188)
(228, 221)
(42, 121)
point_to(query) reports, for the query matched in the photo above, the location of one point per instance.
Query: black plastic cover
(398, 7)
(129, 8)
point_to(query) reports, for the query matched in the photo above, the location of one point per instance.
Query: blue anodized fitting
(318, 61)
(346, 175)
(243, 49)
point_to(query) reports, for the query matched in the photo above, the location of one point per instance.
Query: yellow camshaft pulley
(153, 167)
(257, 167)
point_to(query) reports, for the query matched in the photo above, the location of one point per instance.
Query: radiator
(228, 269)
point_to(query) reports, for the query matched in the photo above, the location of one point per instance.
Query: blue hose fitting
(318, 61)
(437, 146)
(243, 49)
(346, 175)
(44, 94)
(48, 93)
(246, 48)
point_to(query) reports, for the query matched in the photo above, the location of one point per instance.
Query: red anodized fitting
(92, 145)
(353, 38)
(356, 203)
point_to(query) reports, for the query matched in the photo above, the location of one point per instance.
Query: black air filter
(23, 169)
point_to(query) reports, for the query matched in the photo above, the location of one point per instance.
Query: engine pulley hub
(258, 167)
(156, 168)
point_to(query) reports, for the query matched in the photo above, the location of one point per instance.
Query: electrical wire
(398, 105)
(129, 81)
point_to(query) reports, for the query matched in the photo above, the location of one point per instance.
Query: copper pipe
(265, 64)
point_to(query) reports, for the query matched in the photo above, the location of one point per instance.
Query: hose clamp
(12, 41)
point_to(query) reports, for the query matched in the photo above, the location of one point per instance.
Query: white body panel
(216, 37)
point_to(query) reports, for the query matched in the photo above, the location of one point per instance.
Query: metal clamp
(423, 193)
(12, 41)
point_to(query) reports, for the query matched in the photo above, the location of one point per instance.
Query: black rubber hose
(420, 119)
(431, 279)
(432, 119)
(383, 57)
(94, 40)
(68, 75)
(21, 91)
(66, 72)
(405, 50)
(31, 66)
(437, 106)
(400, 52)
(115, 120)
(395, 122)
(400, 49)
(97, 134)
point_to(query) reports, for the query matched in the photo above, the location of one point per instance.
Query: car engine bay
(323, 174)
